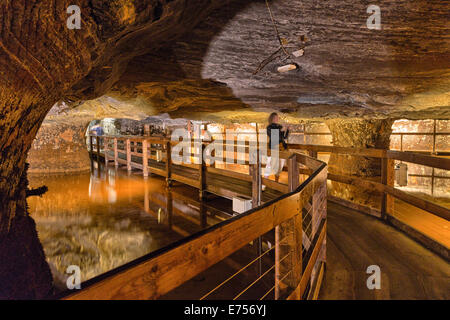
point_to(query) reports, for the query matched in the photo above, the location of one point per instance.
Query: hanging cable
(276, 29)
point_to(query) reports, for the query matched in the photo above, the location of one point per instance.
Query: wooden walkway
(294, 213)
(356, 241)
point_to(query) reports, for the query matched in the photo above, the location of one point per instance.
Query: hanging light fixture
(287, 67)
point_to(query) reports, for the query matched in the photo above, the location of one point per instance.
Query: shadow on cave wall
(171, 78)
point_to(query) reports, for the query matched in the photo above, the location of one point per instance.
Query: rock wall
(41, 61)
(358, 134)
(59, 148)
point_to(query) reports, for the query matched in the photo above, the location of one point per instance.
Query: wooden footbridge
(287, 225)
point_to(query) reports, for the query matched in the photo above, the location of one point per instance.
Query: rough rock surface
(41, 61)
(347, 70)
(59, 148)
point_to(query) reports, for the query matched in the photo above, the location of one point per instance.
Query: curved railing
(424, 220)
(291, 226)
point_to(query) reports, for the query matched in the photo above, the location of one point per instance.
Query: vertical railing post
(91, 152)
(169, 208)
(277, 262)
(387, 178)
(293, 173)
(144, 158)
(256, 176)
(98, 149)
(128, 149)
(255, 170)
(168, 162)
(116, 154)
(213, 155)
(146, 198)
(384, 168)
(91, 145)
(293, 183)
(202, 173)
(203, 215)
(105, 150)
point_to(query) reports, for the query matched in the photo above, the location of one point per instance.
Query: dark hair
(272, 116)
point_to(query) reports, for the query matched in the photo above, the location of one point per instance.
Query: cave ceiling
(347, 70)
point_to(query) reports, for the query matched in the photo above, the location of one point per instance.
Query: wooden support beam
(256, 185)
(213, 156)
(145, 158)
(105, 149)
(128, 150)
(116, 154)
(97, 138)
(384, 178)
(390, 171)
(277, 263)
(306, 276)
(201, 172)
(293, 173)
(91, 145)
(387, 178)
(168, 162)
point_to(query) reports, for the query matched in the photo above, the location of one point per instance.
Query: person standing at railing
(278, 135)
(97, 130)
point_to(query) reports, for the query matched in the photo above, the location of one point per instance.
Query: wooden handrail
(422, 159)
(417, 158)
(399, 194)
(384, 188)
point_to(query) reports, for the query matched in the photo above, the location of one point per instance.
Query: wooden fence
(433, 238)
(295, 219)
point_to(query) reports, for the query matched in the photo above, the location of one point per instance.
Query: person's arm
(286, 134)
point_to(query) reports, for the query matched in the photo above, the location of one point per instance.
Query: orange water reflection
(102, 220)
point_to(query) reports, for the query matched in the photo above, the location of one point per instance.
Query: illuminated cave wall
(429, 136)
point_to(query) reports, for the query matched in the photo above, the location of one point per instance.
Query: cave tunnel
(134, 131)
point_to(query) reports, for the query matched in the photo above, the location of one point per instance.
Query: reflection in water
(102, 220)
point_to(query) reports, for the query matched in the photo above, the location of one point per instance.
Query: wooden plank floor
(355, 241)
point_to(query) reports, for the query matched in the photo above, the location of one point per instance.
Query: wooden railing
(386, 186)
(293, 226)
